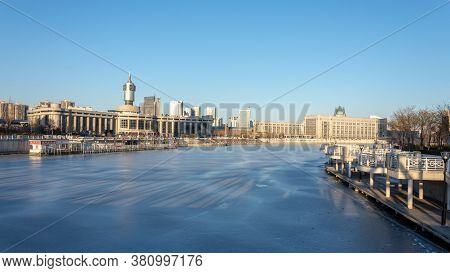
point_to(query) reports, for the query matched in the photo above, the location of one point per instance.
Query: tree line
(427, 128)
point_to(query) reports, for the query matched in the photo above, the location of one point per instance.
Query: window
(141, 125)
(132, 124)
(124, 124)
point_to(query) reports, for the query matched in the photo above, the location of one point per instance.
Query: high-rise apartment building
(10, 111)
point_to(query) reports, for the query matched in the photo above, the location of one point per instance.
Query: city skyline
(164, 135)
(202, 67)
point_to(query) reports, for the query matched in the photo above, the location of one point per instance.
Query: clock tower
(128, 97)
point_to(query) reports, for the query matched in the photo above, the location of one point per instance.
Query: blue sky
(229, 51)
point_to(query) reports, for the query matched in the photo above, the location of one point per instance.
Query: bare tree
(425, 122)
(405, 122)
(442, 115)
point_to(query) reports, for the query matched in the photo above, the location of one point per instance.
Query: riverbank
(71, 145)
(64, 145)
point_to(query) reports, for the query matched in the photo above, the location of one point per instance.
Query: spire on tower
(129, 76)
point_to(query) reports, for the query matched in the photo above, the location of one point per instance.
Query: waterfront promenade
(426, 215)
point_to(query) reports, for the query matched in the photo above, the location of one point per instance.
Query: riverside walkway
(425, 214)
(380, 172)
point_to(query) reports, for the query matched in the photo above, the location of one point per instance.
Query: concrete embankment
(14, 146)
(56, 145)
(216, 142)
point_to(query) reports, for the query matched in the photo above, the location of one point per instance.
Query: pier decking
(387, 169)
(425, 214)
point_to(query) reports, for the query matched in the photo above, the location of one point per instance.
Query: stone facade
(341, 127)
(278, 129)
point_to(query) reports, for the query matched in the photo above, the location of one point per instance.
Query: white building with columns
(126, 120)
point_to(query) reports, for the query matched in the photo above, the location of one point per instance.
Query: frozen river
(225, 199)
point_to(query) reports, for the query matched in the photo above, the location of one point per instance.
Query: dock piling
(371, 178)
(388, 186)
(420, 189)
(410, 193)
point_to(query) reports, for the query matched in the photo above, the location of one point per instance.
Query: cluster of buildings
(243, 121)
(182, 121)
(12, 112)
(127, 119)
(178, 109)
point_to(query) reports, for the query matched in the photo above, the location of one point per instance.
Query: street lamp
(361, 148)
(445, 157)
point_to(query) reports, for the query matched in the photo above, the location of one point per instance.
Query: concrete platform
(425, 214)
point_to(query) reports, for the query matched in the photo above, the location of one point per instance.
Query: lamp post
(445, 157)
(361, 148)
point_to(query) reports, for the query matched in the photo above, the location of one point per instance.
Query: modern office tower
(176, 108)
(244, 118)
(211, 111)
(197, 111)
(151, 106)
(339, 127)
(233, 122)
(10, 111)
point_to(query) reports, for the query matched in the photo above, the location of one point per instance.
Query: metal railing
(353, 150)
(372, 160)
(376, 158)
(415, 162)
(334, 150)
(425, 163)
